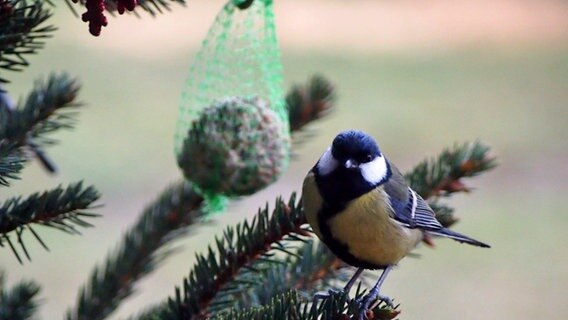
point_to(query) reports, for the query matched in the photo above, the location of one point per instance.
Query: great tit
(358, 203)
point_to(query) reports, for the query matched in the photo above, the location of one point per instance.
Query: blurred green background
(418, 75)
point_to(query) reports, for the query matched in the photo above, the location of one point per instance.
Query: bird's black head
(351, 167)
(354, 146)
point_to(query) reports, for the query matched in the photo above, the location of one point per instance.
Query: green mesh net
(239, 61)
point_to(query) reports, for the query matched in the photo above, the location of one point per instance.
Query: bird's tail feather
(458, 237)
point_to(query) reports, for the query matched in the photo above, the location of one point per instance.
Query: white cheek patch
(327, 163)
(374, 171)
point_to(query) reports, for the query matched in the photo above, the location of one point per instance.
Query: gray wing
(408, 207)
(414, 212)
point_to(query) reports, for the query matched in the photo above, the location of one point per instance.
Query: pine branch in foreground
(138, 254)
(312, 267)
(305, 268)
(21, 32)
(19, 302)
(285, 305)
(60, 208)
(207, 283)
(289, 305)
(340, 306)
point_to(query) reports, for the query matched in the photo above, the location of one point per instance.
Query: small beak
(351, 164)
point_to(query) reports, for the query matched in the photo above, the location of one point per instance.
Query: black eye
(367, 158)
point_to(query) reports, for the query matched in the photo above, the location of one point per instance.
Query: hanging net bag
(232, 136)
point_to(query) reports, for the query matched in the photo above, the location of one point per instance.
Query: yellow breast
(364, 226)
(369, 232)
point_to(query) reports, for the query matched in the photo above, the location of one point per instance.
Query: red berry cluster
(125, 4)
(95, 13)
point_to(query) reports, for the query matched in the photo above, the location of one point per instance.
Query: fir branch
(206, 285)
(289, 305)
(44, 111)
(310, 267)
(138, 254)
(309, 102)
(340, 306)
(21, 32)
(318, 265)
(442, 176)
(282, 306)
(11, 163)
(20, 302)
(157, 312)
(61, 208)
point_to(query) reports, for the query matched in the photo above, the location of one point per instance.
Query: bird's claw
(320, 295)
(385, 299)
(325, 294)
(366, 302)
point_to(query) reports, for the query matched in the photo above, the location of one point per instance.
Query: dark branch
(11, 162)
(309, 102)
(239, 247)
(63, 209)
(441, 176)
(285, 305)
(45, 110)
(138, 254)
(21, 32)
(20, 302)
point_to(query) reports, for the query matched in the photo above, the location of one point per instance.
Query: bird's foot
(320, 295)
(366, 302)
(383, 298)
(325, 294)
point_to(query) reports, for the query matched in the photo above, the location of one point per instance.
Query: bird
(360, 206)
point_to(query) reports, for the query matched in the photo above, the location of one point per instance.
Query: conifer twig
(441, 176)
(11, 163)
(138, 254)
(60, 208)
(310, 267)
(285, 305)
(21, 32)
(237, 248)
(45, 110)
(19, 302)
(310, 101)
